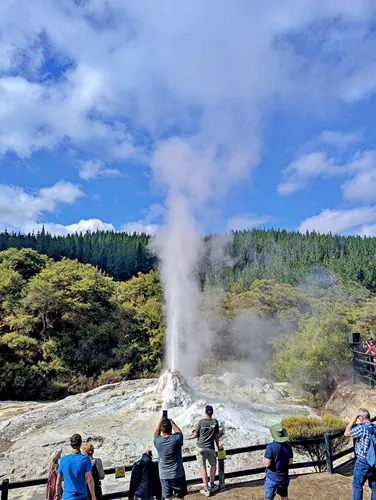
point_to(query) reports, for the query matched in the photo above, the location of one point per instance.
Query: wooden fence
(364, 367)
(328, 464)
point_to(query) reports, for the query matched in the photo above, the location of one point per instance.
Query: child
(52, 475)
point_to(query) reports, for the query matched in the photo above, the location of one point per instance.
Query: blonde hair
(88, 449)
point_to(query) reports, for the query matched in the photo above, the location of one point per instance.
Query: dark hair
(76, 441)
(166, 426)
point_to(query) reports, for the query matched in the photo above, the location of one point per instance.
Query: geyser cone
(173, 389)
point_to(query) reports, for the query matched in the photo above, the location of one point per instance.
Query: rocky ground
(350, 396)
(119, 419)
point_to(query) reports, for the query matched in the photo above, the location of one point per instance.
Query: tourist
(52, 475)
(145, 483)
(278, 456)
(207, 434)
(75, 471)
(97, 470)
(168, 440)
(368, 343)
(362, 435)
(371, 351)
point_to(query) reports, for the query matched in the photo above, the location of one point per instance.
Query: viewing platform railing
(328, 464)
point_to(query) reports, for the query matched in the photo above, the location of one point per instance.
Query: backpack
(371, 453)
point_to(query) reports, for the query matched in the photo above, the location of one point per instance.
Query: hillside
(274, 304)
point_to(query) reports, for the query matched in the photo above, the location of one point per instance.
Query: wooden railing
(364, 367)
(328, 463)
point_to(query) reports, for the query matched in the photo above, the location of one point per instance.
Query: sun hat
(279, 433)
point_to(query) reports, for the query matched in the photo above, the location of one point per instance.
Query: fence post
(221, 473)
(328, 452)
(4, 489)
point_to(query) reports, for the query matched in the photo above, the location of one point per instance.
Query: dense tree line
(286, 257)
(120, 255)
(66, 326)
(285, 303)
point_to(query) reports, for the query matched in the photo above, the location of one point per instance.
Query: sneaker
(206, 491)
(213, 487)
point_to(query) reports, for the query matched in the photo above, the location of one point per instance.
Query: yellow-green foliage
(312, 427)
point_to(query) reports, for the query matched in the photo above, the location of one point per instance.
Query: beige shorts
(206, 454)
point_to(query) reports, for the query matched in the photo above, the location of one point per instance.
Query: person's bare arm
(58, 486)
(195, 435)
(350, 425)
(157, 431)
(175, 428)
(219, 446)
(267, 462)
(90, 483)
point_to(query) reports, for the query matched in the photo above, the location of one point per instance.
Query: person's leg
(360, 476)
(166, 490)
(212, 459)
(204, 474)
(372, 483)
(270, 489)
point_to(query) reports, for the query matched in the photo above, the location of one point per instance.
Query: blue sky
(260, 115)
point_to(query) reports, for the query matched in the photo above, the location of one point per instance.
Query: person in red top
(371, 351)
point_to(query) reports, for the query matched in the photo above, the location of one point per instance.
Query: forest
(85, 310)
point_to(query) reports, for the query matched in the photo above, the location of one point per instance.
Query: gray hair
(363, 412)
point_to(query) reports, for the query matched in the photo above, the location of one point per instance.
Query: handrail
(188, 458)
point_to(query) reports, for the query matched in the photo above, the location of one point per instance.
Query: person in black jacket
(145, 483)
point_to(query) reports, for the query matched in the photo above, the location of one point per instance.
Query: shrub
(306, 428)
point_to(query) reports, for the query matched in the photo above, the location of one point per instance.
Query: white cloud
(361, 187)
(124, 68)
(338, 139)
(339, 221)
(302, 171)
(92, 169)
(247, 221)
(147, 224)
(82, 226)
(139, 227)
(19, 209)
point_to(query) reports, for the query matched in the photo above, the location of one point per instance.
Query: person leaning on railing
(362, 434)
(371, 351)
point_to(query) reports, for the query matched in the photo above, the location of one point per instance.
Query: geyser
(173, 390)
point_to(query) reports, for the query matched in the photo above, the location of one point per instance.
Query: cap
(209, 409)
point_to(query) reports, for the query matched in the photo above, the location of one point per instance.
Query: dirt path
(307, 487)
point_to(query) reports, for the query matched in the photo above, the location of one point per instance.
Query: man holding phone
(362, 433)
(168, 441)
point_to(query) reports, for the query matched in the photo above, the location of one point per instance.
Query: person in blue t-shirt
(75, 471)
(278, 456)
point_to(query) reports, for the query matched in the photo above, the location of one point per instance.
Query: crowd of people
(82, 473)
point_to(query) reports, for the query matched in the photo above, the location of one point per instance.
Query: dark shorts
(273, 488)
(176, 487)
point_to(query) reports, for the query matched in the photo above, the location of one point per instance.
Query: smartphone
(164, 414)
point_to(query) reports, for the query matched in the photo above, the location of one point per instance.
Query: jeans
(362, 472)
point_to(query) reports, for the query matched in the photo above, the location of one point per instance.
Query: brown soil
(308, 487)
(349, 397)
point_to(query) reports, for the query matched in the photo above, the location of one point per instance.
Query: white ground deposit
(119, 419)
